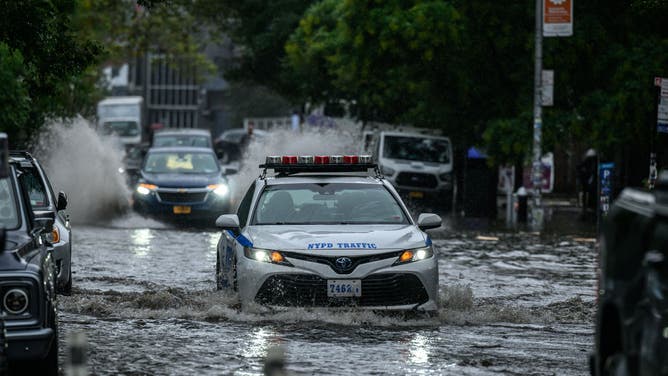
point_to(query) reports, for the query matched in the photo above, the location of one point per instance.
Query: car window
(329, 203)
(9, 217)
(244, 206)
(33, 185)
(181, 140)
(180, 162)
(416, 149)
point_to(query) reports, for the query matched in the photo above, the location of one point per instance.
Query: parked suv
(632, 320)
(27, 279)
(419, 166)
(42, 199)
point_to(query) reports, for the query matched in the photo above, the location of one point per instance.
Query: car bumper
(29, 344)
(412, 286)
(211, 207)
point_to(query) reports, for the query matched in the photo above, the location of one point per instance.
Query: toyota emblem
(343, 263)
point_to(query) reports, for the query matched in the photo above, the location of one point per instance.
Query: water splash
(344, 139)
(84, 165)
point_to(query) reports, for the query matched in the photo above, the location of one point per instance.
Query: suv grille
(311, 290)
(182, 197)
(416, 179)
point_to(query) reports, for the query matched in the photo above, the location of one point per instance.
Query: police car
(322, 231)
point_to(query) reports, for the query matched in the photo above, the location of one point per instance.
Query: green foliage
(14, 98)
(39, 33)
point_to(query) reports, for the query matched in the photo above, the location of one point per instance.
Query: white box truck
(123, 117)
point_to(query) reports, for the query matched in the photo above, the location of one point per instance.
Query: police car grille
(181, 197)
(309, 290)
(416, 179)
(331, 261)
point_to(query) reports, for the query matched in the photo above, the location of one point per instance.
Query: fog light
(15, 301)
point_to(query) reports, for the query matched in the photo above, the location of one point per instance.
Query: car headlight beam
(15, 301)
(412, 255)
(144, 189)
(219, 189)
(265, 255)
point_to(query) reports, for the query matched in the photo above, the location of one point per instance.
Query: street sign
(547, 85)
(557, 18)
(662, 109)
(605, 175)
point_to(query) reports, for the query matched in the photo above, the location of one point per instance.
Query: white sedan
(320, 233)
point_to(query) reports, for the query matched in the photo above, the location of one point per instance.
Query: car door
(230, 243)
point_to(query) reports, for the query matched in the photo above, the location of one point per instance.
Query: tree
(39, 33)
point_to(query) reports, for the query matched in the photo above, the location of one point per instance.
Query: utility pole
(537, 170)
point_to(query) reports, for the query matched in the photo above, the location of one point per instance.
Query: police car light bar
(319, 163)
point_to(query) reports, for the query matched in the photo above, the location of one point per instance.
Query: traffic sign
(557, 18)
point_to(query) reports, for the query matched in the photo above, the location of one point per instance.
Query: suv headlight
(15, 301)
(219, 189)
(417, 254)
(446, 177)
(265, 255)
(144, 189)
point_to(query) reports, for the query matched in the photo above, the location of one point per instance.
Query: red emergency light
(319, 163)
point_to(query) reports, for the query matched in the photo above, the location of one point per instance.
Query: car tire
(67, 289)
(235, 284)
(650, 346)
(219, 276)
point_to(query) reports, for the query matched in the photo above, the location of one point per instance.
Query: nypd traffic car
(321, 231)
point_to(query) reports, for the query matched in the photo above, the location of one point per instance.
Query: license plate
(337, 288)
(416, 194)
(182, 209)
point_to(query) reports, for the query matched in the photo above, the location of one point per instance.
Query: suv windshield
(175, 162)
(327, 203)
(416, 149)
(9, 217)
(181, 140)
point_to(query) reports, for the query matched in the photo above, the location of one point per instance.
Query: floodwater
(144, 295)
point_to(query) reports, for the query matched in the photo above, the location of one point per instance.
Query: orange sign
(557, 18)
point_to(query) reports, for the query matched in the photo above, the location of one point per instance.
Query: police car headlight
(15, 301)
(265, 255)
(417, 254)
(388, 171)
(219, 189)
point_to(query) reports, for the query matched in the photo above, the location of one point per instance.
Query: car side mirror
(43, 221)
(228, 222)
(62, 201)
(428, 221)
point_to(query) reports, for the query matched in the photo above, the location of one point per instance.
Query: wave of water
(85, 166)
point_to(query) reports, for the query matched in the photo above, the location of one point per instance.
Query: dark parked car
(182, 183)
(632, 320)
(231, 144)
(34, 180)
(27, 280)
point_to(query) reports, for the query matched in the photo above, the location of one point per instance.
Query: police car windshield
(327, 203)
(9, 217)
(416, 149)
(180, 163)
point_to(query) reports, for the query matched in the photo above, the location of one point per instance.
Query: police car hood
(337, 238)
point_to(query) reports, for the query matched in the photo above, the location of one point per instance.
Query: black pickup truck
(632, 320)
(27, 280)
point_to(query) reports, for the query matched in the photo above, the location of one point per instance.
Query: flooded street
(144, 294)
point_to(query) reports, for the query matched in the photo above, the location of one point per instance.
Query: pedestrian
(587, 176)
